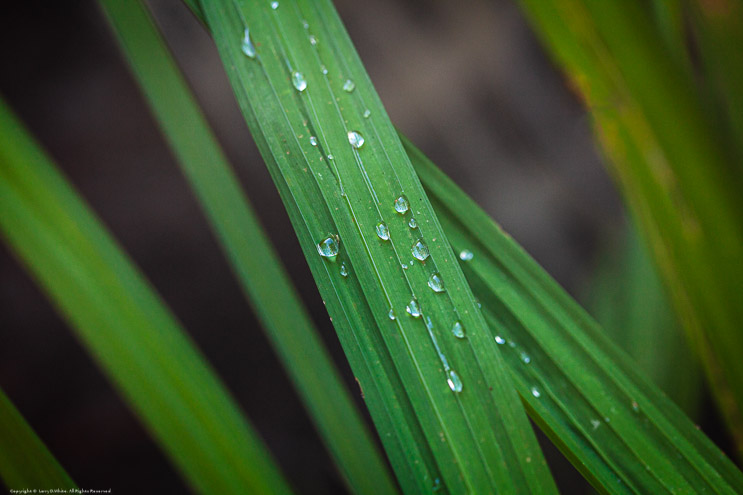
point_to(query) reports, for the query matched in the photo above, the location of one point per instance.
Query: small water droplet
(356, 139)
(436, 283)
(413, 224)
(525, 357)
(391, 314)
(607, 419)
(500, 340)
(299, 81)
(635, 406)
(383, 232)
(247, 45)
(535, 392)
(330, 156)
(274, 5)
(436, 485)
(344, 270)
(479, 304)
(404, 266)
(455, 383)
(420, 251)
(367, 113)
(413, 308)
(595, 423)
(328, 247)
(313, 140)
(324, 69)
(511, 344)
(466, 255)
(401, 205)
(313, 39)
(349, 86)
(458, 330)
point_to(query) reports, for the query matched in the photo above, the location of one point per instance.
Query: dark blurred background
(466, 81)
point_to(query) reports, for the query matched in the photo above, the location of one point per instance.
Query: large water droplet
(328, 247)
(499, 340)
(274, 5)
(247, 45)
(367, 113)
(458, 330)
(401, 205)
(299, 81)
(383, 232)
(349, 86)
(413, 308)
(420, 251)
(455, 383)
(391, 314)
(413, 224)
(313, 140)
(466, 255)
(535, 392)
(344, 270)
(356, 139)
(436, 283)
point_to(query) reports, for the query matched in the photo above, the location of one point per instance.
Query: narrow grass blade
(297, 77)
(674, 162)
(252, 257)
(618, 430)
(25, 462)
(124, 325)
(629, 302)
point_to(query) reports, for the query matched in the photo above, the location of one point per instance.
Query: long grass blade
(259, 271)
(120, 319)
(673, 160)
(296, 76)
(617, 429)
(25, 462)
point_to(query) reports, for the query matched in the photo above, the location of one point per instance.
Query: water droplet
(525, 357)
(299, 81)
(324, 69)
(413, 308)
(274, 5)
(356, 139)
(313, 140)
(466, 255)
(328, 247)
(344, 270)
(401, 205)
(391, 314)
(367, 113)
(436, 283)
(247, 45)
(535, 392)
(349, 86)
(499, 340)
(413, 224)
(383, 232)
(511, 344)
(420, 251)
(313, 39)
(404, 266)
(436, 485)
(479, 304)
(455, 383)
(330, 156)
(458, 330)
(595, 423)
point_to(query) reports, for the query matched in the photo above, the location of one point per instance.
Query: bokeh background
(467, 81)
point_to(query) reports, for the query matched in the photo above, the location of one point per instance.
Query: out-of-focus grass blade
(628, 301)
(25, 462)
(675, 164)
(618, 430)
(259, 271)
(309, 104)
(121, 320)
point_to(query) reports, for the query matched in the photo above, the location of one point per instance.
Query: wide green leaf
(124, 325)
(25, 462)
(304, 93)
(253, 259)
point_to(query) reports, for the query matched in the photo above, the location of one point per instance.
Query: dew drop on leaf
(401, 205)
(420, 251)
(455, 383)
(535, 392)
(458, 330)
(328, 247)
(413, 224)
(356, 139)
(383, 232)
(313, 140)
(436, 283)
(349, 86)
(247, 46)
(274, 5)
(299, 82)
(344, 270)
(466, 255)
(391, 314)
(413, 308)
(499, 340)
